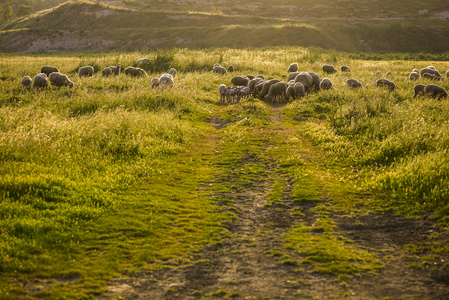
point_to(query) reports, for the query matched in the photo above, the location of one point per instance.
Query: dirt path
(243, 266)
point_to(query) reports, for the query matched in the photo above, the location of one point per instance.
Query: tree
(24, 10)
(6, 13)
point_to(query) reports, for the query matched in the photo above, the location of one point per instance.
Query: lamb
(230, 94)
(276, 91)
(244, 92)
(353, 83)
(315, 81)
(106, 72)
(293, 67)
(413, 76)
(329, 69)
(222, 91)
(266, 86)
(430, 71)
(419, 90)
(386, 83)
(230, 68)
(435, 91)
(48, 69)
(345, 69)
(144, 60)
(154, 82)
(166, 81)
(306, 79)
(115, 69)
(40, 81)
(326, 84)
(173, 72)
(58, 79)
(240, 80)
(135, 72)
(86, 71)
(220, 70)
(26, 82)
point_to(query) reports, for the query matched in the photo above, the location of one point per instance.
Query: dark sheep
(266, 86)
(386, 83)
(435, 91)
(345, 69)
(277, 92)
(316, 80)
(353, 83)
(135, 72)
(431, 76)
(430, 71)
(419, 90)
(26, 82)
(292, 75)
(293, 67)
(47, 70)
(252, 84)
(329, 69)
(326, 84)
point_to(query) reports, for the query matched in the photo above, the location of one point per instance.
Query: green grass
(111, 176)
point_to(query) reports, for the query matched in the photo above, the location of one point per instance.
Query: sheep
(217, 65)
(419, 90)
(413, 76)
(257, 88)
(230, 94)
(430, 71)
(244, 92)
(220, 70)
(292, 75)
(435, 91)
(447, 74)
(26, 82)
(378, 74)
(40, 81)
(329, 69)
(266, 86)
(222, 91)
(386, 83)
(345, 69)
(276, 91)
(144, 60)
(135, 72)
(106, 72)
(240, 80)
(230, 68)
(166, 80)
(431, 76)
(172, 72)
(295, 90)
(353, 83)
(315, 81)
(326, 84)
(250, 77)
(115, 69)
(252, 84)
(49, 69)
(154, 82)
(306, 79)
(389, 73)
(58, 79)
(293, 67)
(431, 67)
(87, 71)
(263, 77)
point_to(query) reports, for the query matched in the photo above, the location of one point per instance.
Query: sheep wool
(222, 91)
(40, 81)
(435, 91)
(240, 80)
(276, 91)
(172, 72)
(306, 79)
(430, 71)
(315, 81)
(115, 69)
(144, 60)
(154, 82)
(47, 70)
(345, 69)
(26, 82)
(329, 69)
(266, 86)
(58, 79)
(326, 84)
(353, 83)
(419, 89)
(86, 71)
(293, 67)
(166, 81)
(135, 72)
(386, 83)
(230, 68)
(106, 72)
(413, 76)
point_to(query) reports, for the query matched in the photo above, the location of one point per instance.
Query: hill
(354, 26)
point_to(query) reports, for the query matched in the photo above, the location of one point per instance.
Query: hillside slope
(380, 26)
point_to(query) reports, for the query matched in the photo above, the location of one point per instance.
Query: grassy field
(110, 177)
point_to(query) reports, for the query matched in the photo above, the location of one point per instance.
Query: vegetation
(112, 176)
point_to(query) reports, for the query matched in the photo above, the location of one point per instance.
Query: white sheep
(40, 81)
(220, 70)
(87, 71)
(326, 84)
(106, 72)
(166, 81)
(26, 82)
(154, 82)
(230, 94)
(386, 83)
(58, 79)
(413, 76)
(222, 91)
(115, 69)
(435, 91)
(306, 79)
(277, 92)
(144, 60)
(172, 72)
(293, 67)
(47, 70)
